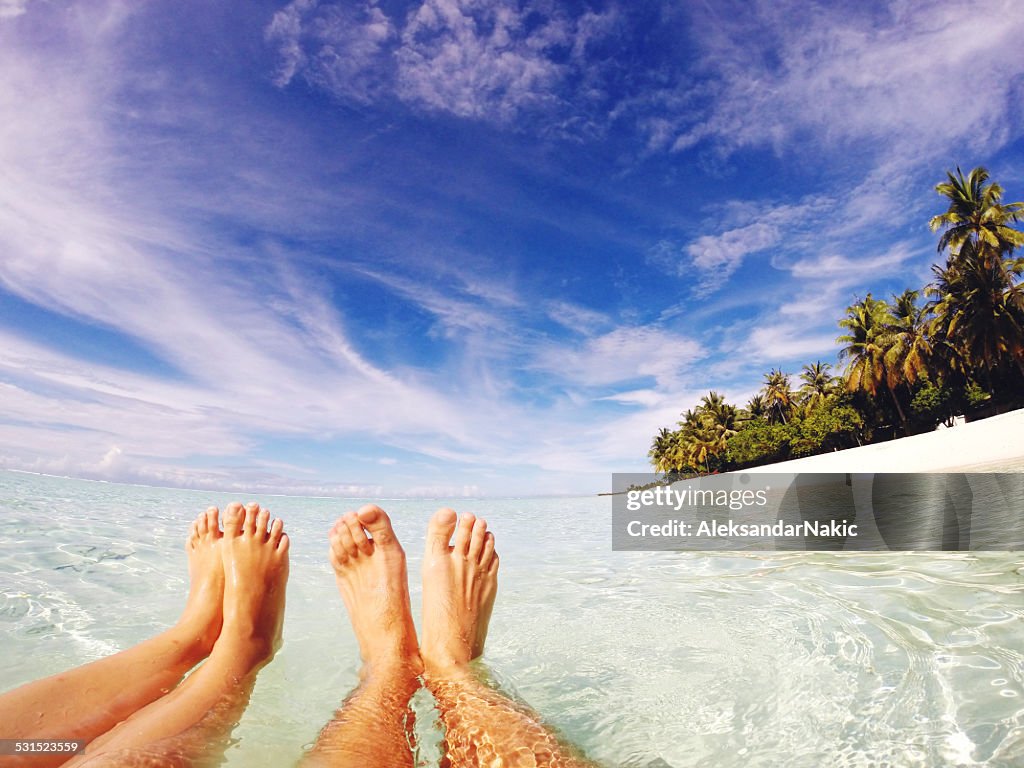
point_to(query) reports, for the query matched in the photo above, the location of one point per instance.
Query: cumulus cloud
(479, 59)
(340, 48)
(476, 59)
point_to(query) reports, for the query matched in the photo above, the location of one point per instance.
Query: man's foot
(369, 567)
(204, 611)
(255, 573)
(460, 582)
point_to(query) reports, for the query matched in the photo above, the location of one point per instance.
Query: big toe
(234, 516)
(440, 530)
(376, 521)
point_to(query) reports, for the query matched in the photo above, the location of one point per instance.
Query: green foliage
(834, 426)
(975, 395)
(761, 442)
(933, 404)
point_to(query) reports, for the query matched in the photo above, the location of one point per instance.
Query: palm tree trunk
(899, 410)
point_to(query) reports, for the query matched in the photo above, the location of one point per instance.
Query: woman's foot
(460, 582)
(369, 568)
(200, 622)
(255, 556)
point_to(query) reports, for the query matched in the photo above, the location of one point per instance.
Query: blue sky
(456, 247)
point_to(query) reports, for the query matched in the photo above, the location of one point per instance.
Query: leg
(460, 583)
(370, 728)
(191, 725)
(90, 700)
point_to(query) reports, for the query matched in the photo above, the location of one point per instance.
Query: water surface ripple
(641, 659)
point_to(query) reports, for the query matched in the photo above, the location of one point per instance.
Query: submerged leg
(88, 701)
(191, 725)
(371, 728)
(460, 582)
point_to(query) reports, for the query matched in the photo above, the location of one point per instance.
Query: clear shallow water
(642, 659)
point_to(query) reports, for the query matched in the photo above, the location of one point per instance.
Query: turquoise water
(641, 658)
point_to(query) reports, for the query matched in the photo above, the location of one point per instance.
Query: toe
(351, 519)
(234, 516)
(262, 521)
(213, 520)
(487, 556)
(440, 530)
(251, 511)
(476, 539)
(283, 543)
(376, 521)
(339, 555)
(199, 525)
(464, 533)
(276, 528)
(343, 534)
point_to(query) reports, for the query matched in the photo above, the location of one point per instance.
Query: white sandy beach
(994, 442)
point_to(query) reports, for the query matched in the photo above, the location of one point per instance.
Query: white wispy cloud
(787, 341)
(9, 9)
(743, 229)
(838, 270)
(104, 231)
(623, 355)
(577, 318)
(716, 257)
(900, 74)
(259, 350)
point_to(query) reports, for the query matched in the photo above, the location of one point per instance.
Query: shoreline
(995, 440)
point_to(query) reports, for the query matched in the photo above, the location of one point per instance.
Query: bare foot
(204, 612)
(460, 582)
(373, 582)
(255, 573)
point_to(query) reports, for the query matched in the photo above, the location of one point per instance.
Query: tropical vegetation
(907, 363)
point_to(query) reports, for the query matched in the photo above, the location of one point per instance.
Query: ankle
(193, 641)
(395, 662)
(443, 666)
(245, 651)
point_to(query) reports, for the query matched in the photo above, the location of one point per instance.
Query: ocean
(641, 659)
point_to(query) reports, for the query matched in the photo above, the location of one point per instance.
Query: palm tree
(719, 419)
(664, 451)
(866, 346)
(817, 384)
(909, 350)
(979, 309)
(698, 442)
(977, 297)
(778, 395)
(756, 408)
(976, 215)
